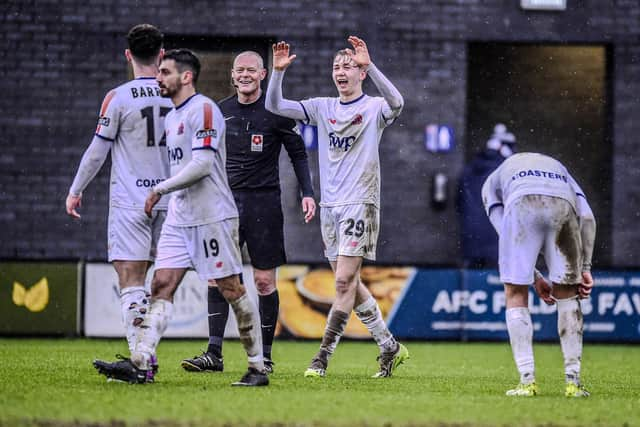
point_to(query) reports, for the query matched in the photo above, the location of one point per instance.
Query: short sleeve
(491, 193)
(208, 124)
(109, 117)
(575, 187)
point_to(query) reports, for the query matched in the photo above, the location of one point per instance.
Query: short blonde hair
(343, 53)
(252, 53)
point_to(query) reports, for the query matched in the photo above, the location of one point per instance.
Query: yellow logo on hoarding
(34, 299)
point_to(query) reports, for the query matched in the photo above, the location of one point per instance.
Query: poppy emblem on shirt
(357, 120)
(354, 244)
(219, 264)
(181, 129)
(332, 121)
(256, 142)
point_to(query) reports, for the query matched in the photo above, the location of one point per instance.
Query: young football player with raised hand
(349, 130)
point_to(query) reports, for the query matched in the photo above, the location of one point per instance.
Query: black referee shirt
(254, 138)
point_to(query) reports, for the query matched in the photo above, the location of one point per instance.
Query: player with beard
(201, 229)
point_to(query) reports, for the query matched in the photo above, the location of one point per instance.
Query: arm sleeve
(495, 216)
(491, 194)
(587, 231)
(199, 167)
(275, 103)
(209, 126)
(587, 224)
(90, 165)
(394, 101)
(294, 145)
(109, 118)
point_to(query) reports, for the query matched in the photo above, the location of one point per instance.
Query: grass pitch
(51, 382)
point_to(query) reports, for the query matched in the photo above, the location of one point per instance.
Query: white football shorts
(132, 235)
(535, 224)
(350, 230)
(212, 250)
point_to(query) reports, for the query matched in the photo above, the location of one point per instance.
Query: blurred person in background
(478, 239)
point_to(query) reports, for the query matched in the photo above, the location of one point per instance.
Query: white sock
(570, 325)
(149, 334)
(134, 305)
(520, 330)
(370, 315)
(249, 330)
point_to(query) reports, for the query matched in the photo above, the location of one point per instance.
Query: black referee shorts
(261, 226)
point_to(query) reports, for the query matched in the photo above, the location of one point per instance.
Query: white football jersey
(198, 124)
(348, 139)
(132, 118)
(529, 173)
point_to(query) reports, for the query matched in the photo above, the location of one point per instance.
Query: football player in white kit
(201, 229)
(349, 130)
(131, 126)
(537, 207)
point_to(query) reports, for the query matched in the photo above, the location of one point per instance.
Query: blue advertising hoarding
(470, 305)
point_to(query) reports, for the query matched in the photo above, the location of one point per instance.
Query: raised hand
(281, 58)
(360, 53)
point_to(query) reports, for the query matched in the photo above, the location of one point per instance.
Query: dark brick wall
(61, 56)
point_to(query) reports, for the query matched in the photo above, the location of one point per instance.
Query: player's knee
(162, 287)
(231, 288)
(344, 284)
(265, 288)
(561, 291)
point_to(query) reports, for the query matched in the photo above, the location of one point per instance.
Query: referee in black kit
(254, 138)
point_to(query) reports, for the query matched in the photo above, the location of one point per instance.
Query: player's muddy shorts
(350, 230)
(261, 223)
(534, 224)
(132, 235)
(211, 249)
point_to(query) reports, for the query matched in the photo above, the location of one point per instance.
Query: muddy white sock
(249, 330)
(520, 329)
(134, 305)
(336, 323)
(570, 327)
(150, 332)
(370, 315)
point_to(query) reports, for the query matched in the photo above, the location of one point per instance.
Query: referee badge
(256, 142)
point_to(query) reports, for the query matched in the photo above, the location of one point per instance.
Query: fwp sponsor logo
(175, 155)
(343, 143)
(205, 133)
